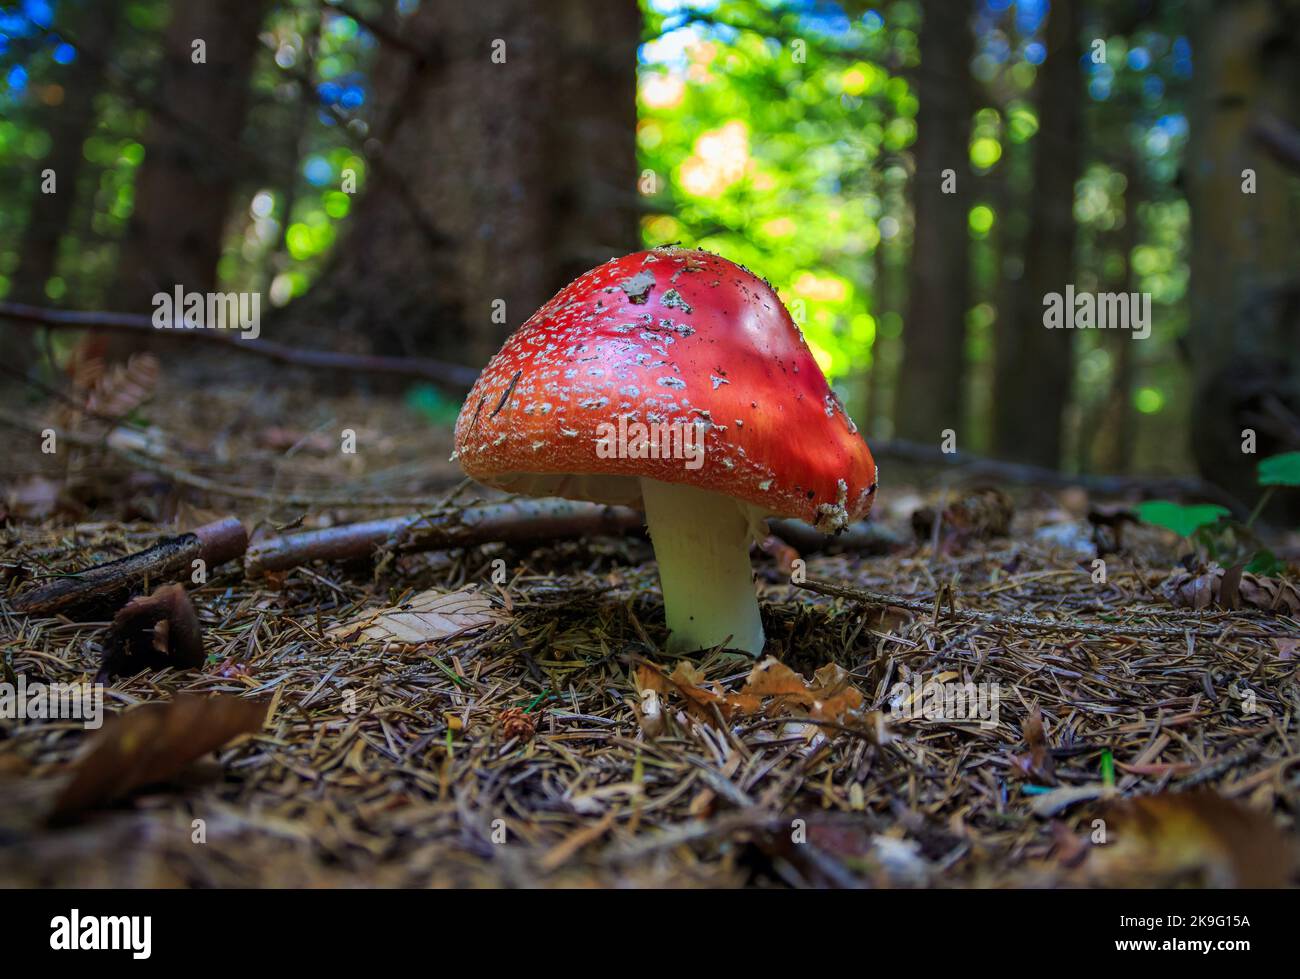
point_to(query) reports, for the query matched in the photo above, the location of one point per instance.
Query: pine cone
(517, 723)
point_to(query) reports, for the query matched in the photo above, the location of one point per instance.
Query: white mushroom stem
(701, 543)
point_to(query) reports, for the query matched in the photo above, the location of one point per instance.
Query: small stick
(995, 618)
(168, 560)
(516, 521)
(512, 522)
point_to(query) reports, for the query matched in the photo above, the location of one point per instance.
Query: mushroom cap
(664, 338)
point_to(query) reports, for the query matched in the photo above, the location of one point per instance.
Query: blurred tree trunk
(493, 183)
(184, 186)
(1034, 364)
(881, 301)
(1244, 341)
(929, 386)
(88, 23)
(1114, 433)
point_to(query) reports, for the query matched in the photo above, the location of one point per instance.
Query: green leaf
(428, 402)
(1280, 470)
(1265, 563)
(1182, 520)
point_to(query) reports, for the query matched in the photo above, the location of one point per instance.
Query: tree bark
(1034, 364)
(91, 24)
(929, 386)
(185, 184)
(1244, 339)
(493, 183)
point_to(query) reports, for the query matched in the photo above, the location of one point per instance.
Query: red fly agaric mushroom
(676, 382)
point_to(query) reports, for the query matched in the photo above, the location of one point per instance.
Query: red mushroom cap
(669, 337)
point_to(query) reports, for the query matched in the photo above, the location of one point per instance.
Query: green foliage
(1280, 470)
(1265, 562)
(431, 404)
(1184, 520)
(774, 142)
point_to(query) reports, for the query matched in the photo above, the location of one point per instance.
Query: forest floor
(1126, 741)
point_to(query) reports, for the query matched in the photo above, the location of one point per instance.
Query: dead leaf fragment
(424, 617)
(152, 744)
(1189, 837)
(772, 688)
(1286, 648)
(1039, 765)
(109, 394)
(1231, 588)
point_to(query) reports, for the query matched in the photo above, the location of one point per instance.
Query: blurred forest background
(386, 172)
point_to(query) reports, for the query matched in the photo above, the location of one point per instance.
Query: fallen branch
(978, 467)
(454, 376)
(996, 618)
(109, 584)
(517, 521)
(513, 522)
(864, 537)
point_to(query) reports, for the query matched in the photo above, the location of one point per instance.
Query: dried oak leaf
(772, 688)
(151, 632)
(1189, 837)
(110, 393)
(1232, 588)
(152, 744)
(424, 617)
(125, 387)
(1039, 765)
(688, 683)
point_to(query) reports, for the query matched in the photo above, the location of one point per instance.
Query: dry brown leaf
(125, 387)
(109, 394)
(1039, 764)
(424, 617)
(1286, 648)
(828, 697)
(152, 744)
(1231, 589)
(1189, 837)
(687, 681)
